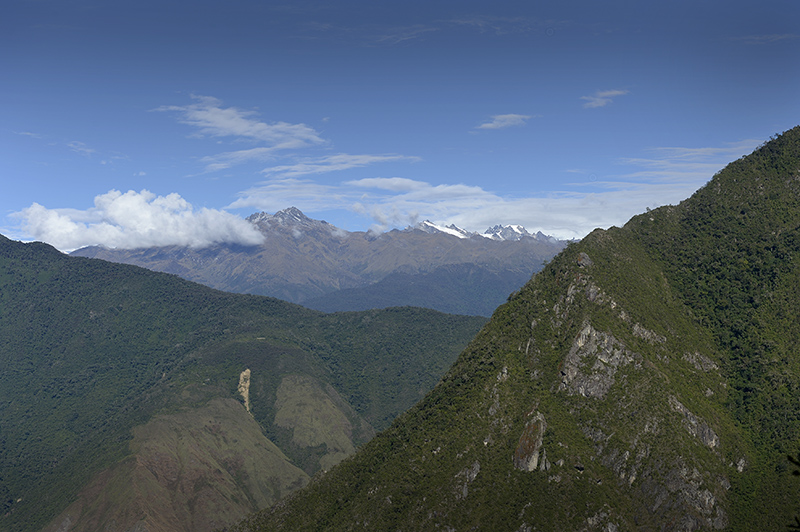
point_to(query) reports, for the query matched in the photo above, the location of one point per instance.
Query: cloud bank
(211, 119)
(332, 163)
(503, 121)
(273, 141)
(665, 175)
(136, 219)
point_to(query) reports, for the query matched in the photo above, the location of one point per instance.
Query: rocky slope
(646, 379)
(310, 261)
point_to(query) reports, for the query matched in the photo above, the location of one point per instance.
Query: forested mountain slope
(647, 379)
(130, 398)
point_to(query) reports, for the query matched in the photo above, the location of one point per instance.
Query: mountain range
(320, 266)
(136, 400)
(647, 379)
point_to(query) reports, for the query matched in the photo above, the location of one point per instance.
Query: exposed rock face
(244, 388)
(701, 362)
(465, 478)
(696, 426)
(591, 364)
(526, 456)
(584, 260)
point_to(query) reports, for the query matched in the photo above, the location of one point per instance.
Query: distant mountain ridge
(313, 263)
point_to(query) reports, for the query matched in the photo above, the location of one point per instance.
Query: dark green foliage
(89, 349)
(732, 254)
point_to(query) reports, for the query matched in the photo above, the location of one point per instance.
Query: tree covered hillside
(647, 379)
(104, 363)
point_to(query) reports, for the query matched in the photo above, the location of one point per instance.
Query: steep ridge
(646, 379)
(304, 259)
(123, 404)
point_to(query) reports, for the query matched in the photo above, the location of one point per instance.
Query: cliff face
(646, 379)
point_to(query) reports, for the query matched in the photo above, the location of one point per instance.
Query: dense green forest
(91, 349)
(647, 379)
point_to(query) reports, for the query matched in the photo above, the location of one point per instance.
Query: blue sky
(152, 123)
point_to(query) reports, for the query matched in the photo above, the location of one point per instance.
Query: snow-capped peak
(452, 229)
(506, 232)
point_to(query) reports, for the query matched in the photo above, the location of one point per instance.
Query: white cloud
(502, 121)
(225, 160)
(602, 98)
(399, 35)
(506, 25)
(28, 134)
(277, 194)
(397, 184)
(332, 163)
(658, 177)
(136, 219)
(691, 166)
(769, 38)
(80, 148)
(280, 140)
(212, 119)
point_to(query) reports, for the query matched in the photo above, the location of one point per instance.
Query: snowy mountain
(511, 233)
(432, 228)
(319, 265)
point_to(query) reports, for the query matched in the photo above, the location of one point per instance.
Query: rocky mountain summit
(291, 217)
(647, 379)
(321, 266)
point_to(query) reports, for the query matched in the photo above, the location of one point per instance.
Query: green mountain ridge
(96, 356)
(647, 379)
